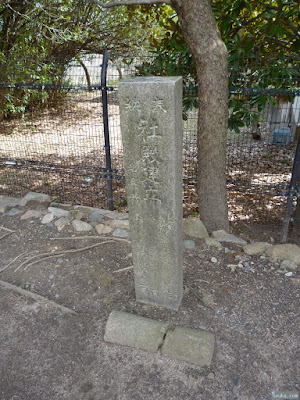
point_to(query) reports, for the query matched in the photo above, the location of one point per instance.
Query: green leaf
(270, 14)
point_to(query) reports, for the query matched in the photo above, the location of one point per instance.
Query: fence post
(291, 194)
(104, 90)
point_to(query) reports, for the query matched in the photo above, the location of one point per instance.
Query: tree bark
(210, 55)
(87, 75)
(297, 211)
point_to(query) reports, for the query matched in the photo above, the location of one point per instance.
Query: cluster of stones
(88, 219)
(65, 216)
(286, 256)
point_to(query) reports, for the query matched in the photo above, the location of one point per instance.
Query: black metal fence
(62, 137)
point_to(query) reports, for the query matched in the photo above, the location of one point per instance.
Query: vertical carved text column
(151, 125)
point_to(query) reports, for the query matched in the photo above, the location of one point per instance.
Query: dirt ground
(49, 354)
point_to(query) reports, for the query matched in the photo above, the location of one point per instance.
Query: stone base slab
(195, 346)
(135, 331)
(191, 345)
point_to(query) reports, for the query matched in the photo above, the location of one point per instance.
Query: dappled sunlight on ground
(62, 152)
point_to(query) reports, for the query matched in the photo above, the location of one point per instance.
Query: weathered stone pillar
(151, 126)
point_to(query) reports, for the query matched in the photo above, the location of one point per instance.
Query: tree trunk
(2, 102)
(297, 211)
(87, 75)
(3, 90)
(210, 55)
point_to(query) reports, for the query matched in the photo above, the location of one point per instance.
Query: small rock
(238, 256)
(285, 251)
(288, 274)
(121, 233)
(95, 217)
(189, 244)
(286, 264)
(214, 260)
(103, 229)
(233, 267)
(61, 223)
(37, 197)
(59, 260)
(7, 202)
(223, 236)
(14, 211)
(105, 213)
(211, 242)
(193, 226)
(186, 289)
(79, 215)
(255, 248)
(81, 226)
(32, 214)
(65, 206)
(115, 215)
(47, 218)
(207, 298)
(211, 376)
(246, 268)
(123, 224)
(51, 276)
(59, 212)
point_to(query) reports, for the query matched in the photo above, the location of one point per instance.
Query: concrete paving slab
(195, 346)
(133, 330)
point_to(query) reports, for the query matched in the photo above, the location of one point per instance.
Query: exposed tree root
(6, 234)
(36, 297)
(91, 237)
(45, 256)
(15, 259)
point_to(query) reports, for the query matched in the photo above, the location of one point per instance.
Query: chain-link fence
(53, 137)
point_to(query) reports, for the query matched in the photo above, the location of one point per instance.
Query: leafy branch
(129, 3)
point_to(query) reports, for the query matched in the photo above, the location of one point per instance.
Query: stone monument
(151, 126)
